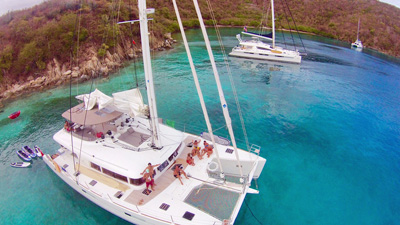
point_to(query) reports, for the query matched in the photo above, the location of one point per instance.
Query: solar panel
(188, 215)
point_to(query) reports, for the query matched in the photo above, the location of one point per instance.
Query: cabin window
(136, 182)
(95, 166)
(171, 157)
(163, 166)
(120, 177)
(115, 175)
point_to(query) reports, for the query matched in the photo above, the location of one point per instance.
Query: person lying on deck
(178, 172)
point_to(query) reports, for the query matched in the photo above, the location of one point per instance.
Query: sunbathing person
(195, 143)
(209, 151)
(178, 172)
(196, 151)
(190, 159)
(67, 126)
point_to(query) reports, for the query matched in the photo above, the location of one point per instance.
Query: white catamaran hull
(264, 55)
(119, 211)
(112, 151)
(174, 194)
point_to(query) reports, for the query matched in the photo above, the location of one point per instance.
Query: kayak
(24, 155)
(20, 164)
(14, 115)
(28, 150)
(38, 151)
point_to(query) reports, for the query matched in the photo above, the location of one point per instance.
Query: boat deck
(141, 197)
(97, 176)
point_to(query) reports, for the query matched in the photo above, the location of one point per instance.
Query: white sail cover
(130, 101)
(96, 97)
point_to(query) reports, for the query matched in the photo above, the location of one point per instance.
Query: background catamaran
(108, 141)
(255, 48)
(357, 44)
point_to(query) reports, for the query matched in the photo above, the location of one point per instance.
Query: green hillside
(65, 29)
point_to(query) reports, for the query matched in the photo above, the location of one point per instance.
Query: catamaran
(116, 153)
(357, 44)
(255, 48)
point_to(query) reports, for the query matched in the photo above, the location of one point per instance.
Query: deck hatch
(188, 215)
(164, 206)
(146, 191)
(118, 194)
(228, 150)
(93, 182)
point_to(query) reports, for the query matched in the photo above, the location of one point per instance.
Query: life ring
(212, 166)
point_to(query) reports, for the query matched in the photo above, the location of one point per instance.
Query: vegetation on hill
(64, 29)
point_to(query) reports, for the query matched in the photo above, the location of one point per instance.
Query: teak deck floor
(137, 197)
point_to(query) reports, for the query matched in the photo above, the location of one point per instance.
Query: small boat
(38, 151)
(24, 155)
(14, 115)
(20, 164)
(28, 150)
(357, 44)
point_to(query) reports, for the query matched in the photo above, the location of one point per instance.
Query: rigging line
(295, 26)
(222, 99)
(84, 123)
(229, 74)
(194, 73)
(121, 37)
(266, 17)
(70, 79)
(252, 212)
(219, 128)
(283, 33)
(290, 29)
(134, 53)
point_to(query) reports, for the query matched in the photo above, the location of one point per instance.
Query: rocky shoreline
(90, 66)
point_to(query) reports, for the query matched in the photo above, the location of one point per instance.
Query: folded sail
(130, 101)
(95, 98)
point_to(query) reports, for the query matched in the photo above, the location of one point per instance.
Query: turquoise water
(329, 128)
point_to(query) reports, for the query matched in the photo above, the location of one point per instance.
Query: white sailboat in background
(257, 49)
(108, 142)
(357, 44)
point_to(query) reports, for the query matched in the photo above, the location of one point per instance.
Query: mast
(144, 34)
(358, 28)
(196, 81)
(273, 23)
(224, 105)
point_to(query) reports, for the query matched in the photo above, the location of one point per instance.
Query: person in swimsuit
(190, 159)
(149, 169)
(149, 181)
(178, 172)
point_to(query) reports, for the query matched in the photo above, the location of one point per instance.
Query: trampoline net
(214, 201)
